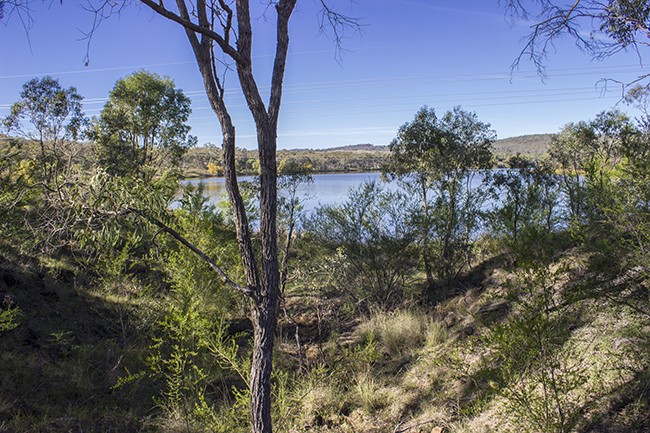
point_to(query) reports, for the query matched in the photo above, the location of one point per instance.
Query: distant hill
(356, 148)
(532, 145)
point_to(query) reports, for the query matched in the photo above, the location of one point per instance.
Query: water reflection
(327, 189)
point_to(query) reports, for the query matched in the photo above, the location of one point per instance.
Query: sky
(407, 54)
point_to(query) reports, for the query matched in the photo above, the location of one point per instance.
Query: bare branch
(104, 10)
(245, 290)
(339, 24)
(107, 8)
(285, 9)
(613, 27)
(23, 10)
(227, 28)
(206, 31)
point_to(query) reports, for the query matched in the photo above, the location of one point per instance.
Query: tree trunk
(425, 239)
(264, 313)
(263, 283)
(264, 320)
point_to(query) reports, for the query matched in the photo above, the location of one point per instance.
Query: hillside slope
(531, 145)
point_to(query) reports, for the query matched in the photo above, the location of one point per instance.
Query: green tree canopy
(588, 152)
(55, 121)
(439, 153)
(440, 148)
(143, 126)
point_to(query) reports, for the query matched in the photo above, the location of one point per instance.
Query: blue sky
(410, 53)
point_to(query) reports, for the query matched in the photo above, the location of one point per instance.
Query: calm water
(327, 189)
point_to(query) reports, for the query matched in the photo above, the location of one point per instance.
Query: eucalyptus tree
(588, 154)
(568, 149)
(432, 157)
(40, 172)
(54, 120)
(143, 126)
(220, 34)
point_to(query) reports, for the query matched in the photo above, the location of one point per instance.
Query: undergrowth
(515, 352)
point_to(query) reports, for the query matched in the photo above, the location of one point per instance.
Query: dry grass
(401, 331)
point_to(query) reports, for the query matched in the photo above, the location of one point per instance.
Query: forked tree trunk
(263, 282)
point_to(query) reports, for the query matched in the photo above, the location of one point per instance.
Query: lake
(327, 189)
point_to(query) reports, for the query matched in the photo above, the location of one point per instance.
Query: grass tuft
(401, 332)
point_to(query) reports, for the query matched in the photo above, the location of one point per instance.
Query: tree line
(204, 161)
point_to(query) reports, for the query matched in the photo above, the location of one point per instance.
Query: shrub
(372, 230)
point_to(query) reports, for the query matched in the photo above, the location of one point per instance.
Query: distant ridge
(532, 145)
(366, 147)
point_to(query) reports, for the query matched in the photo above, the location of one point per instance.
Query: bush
(372, 230)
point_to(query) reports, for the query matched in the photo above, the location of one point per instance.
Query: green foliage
(192, 354)
(625, 20)
(250, 193)
(40, 171)
(13, 173)
(106, 226)
(56, 122)
(290, 208)
(180, 356)
(454, 223)
(435, 157)
(533, 364)
(291, 175)
(443, 149)
(10, 158)
(201, 223)
(527, 197)
(372, 230)
(588, 154)
(9, 318)
(141, 317)
(618, 245)
(142, 129)
(605, 169)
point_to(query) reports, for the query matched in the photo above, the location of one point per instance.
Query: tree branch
(245, 290)
(284, 9)
(339, 23)
(225, 47)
